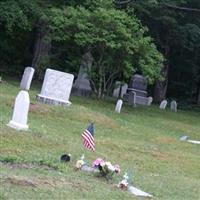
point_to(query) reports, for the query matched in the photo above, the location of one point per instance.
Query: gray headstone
(81, 86)
(173, 106)
(20, 112)
(27, 78)
(138, 82)
(132, 98)
(56, 88)
(150, 100)
(116, 91)
(163, 104)
(118, 106)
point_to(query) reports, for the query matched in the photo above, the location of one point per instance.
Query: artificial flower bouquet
(80, 163)
(124, 183)
(106, 169)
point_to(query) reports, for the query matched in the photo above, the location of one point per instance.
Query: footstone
(20, 112)
(138, 192)
(89, 169)
(27, 78)
(56, 88)
(163, 104)
(173, 106)
(150, 100)
(118, 106)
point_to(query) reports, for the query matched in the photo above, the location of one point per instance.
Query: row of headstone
(56, 89)
(22, 102)
(163, 104)
(173, 105)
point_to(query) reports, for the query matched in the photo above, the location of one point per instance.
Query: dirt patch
(38, 108)
(27, 166)
(99, 119)
(165, 140)
(42, 182)
(160, 156)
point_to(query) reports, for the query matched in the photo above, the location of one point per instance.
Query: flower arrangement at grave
(124, 183)
(106, 169)
(80, 163)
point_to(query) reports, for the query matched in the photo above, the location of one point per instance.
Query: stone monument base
(82, 87)
(17, 126)
(49, 100)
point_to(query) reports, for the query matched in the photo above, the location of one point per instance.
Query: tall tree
(117, 41)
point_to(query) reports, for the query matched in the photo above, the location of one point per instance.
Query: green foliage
(116, 40)
(17, 14)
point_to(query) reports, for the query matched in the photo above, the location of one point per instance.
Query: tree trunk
(198, 96)
(42, 49)
(160, 89)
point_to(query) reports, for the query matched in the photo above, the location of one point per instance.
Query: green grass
(143, 139)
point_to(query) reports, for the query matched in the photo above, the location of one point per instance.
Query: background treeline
(160, 39)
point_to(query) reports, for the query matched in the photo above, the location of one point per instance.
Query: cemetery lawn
(144, 140)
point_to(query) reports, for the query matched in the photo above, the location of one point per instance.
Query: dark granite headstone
(136, 92)
(138, 82)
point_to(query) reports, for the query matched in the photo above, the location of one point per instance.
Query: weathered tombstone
(138, 82)
(138, 85)
(132, 98)
(173, 106)
(116, 91)
(163, 104)
(27, 78)
(56, 88)
(81, 86)
(118, 106)
(20, 112)
(150, 100)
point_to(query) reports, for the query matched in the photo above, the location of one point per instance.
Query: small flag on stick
(88, 137)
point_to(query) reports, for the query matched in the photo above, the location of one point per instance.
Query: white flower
(110, 166)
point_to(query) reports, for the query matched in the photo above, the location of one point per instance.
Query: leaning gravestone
(118, 106)
(27, 78)
(20, 113)
(163, 104)
(173, 106)
(56, 88)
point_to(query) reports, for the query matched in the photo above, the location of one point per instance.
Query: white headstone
(20, 112)
(163, 104)
(117, 90)
(27, 78)
(173, 106)
(56, 87)
(150, 100)
(118, 106)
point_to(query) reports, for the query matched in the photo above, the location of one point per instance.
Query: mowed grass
(144, 140)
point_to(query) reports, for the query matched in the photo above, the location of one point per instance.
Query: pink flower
(117, 169)
(97, 162)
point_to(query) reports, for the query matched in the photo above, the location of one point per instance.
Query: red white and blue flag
(88, 137)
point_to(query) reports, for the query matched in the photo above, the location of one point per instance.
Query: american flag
(88, 137)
